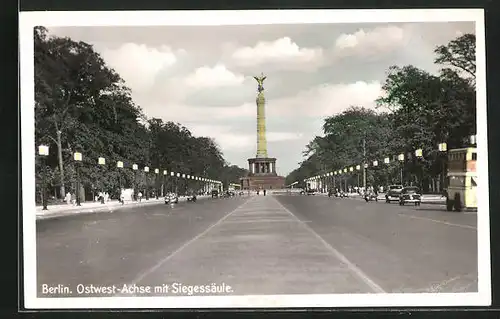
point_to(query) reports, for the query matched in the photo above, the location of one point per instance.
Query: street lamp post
(346, 177)
(443, 148)
(351, 170)
(358, 168)
(172, 174)
(387, 161)
(119, 165)
(419, 155)
(375, 164)
(365, 166)
(146, 171)
(157, 171)
(102, 161)
(184, 183)
(78, 159)
(334, 174)
(401, 158)
(177, 183)
(43, 151)
(135, 167)
(164, 183)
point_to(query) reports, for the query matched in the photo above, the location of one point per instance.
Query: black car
(215, 193)
(171, 198)
(410, 194)
(191, 197)
(393, 193)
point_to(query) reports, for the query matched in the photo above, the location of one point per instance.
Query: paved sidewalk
(94, 207)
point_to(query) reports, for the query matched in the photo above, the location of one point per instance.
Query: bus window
(456, 181)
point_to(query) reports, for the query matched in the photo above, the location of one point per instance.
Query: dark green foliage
(77, 94)
(421, 111)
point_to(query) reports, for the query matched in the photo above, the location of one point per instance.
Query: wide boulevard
(282, 244)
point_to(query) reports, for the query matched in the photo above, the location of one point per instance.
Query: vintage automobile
(393, 193)
(370, 196)
(311, 191)
(215, 193)
(171, 198)
(410, 194)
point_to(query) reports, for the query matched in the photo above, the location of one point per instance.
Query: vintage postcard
(254, 159)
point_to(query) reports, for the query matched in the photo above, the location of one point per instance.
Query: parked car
(215, 193)
(311, 191)
(171, 198)
(410, 194)
(191, 198)
(393, 193)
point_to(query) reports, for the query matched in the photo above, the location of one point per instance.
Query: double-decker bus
(462, 179)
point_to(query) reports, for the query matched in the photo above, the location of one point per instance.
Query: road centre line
(266, 221)
(357, 271)
(439, 221)
(178, 250)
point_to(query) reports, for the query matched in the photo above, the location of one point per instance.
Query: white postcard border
(28, 20)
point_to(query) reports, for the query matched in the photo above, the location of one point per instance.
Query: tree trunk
(61, 167)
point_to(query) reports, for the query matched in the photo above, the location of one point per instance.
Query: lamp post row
(43, 152)
(442, 147)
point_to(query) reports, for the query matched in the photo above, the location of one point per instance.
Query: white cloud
(374, 41)
(139, 64)
(326, 100)
(282, 136)
(230, 140)
(207, 77)
(316, 102)
(182, 113)
(280, 50)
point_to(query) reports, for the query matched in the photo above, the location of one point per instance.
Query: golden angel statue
(260, 79)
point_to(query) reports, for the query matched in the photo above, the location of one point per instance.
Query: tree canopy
(81, 104)
(419, 110)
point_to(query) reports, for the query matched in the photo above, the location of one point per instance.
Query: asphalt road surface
(258, 245)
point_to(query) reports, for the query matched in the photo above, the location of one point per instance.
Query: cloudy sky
(202, 77)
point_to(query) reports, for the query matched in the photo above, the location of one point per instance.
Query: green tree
(74, 92)
(83, 105)
(459, 56)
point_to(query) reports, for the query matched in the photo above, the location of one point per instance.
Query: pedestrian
(68, 198)
(264, 191)
(140, 196)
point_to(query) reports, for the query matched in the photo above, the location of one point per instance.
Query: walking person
(67, 198)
